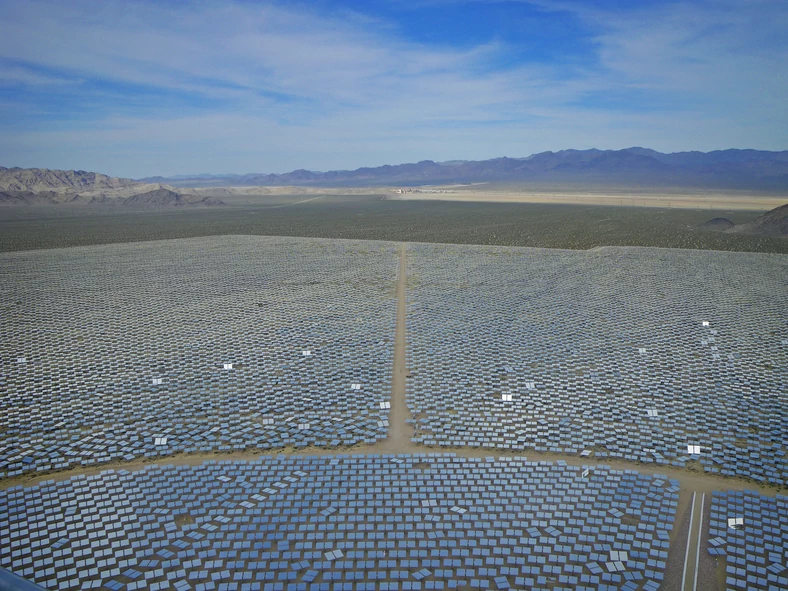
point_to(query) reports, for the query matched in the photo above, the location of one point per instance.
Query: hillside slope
(772, 223)
(41, 186)
(165, 197)
(44, 179)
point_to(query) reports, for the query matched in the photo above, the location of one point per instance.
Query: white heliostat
(227, 366)
(705, 323)
(506, 397)
(157, 381)
(306, 353)
(693, 450)
(160, 441)
(355, 386)
(735, 522)
(335, 555)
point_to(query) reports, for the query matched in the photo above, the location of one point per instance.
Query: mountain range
(42, 186)
(722, 169)
(633, 167)
(44, 179)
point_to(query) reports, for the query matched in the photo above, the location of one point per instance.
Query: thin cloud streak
(229, 87)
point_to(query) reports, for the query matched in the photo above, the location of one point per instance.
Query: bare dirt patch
(184, 519)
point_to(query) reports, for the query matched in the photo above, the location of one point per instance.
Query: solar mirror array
(143, 350)
(748, 534)
(388, 522)
(653, 355)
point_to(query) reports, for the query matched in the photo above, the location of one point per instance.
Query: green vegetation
(368, 217)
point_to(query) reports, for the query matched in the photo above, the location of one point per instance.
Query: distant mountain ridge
(45, 179)
(42, 186)
(735, 169)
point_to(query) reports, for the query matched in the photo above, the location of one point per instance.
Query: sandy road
(400, 431)
(688, 481)
(689, 578)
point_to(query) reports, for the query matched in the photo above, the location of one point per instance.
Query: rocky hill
(41, 186)
(732, 169)
(772, 223)
(165, 197)
(43, 179)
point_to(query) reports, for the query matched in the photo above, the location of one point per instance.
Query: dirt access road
(400, 430)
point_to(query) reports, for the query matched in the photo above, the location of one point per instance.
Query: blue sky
(139, 88)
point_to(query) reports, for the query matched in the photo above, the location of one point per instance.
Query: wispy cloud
(15, 75)
(139, 88)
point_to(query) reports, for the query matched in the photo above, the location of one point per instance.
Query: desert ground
(371, 216)
(686, 199)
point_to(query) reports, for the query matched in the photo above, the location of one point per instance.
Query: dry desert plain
(683, 198)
